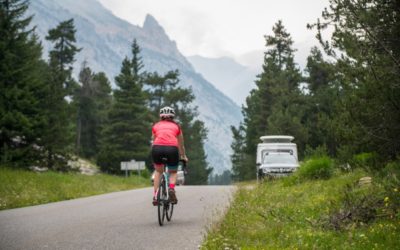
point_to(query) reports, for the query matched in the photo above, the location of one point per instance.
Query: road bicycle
(165, 208)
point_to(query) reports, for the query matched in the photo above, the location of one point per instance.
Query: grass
(275, 215)
(20, 188)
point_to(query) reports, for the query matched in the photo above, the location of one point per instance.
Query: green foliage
(274, 107)
(126, 134)
(368, 161)
(195, 135)
(92, 100)
(20, 188)
(275, 216)
(392, 169)
(321, 115)
(391, 184)
(317, 152)
(345, 154)
(238, 157)
(57, 139)
(22, 117)
(316, 168)
(163, 91)
(365, 47)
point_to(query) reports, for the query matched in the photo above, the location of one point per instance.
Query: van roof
(276, 138)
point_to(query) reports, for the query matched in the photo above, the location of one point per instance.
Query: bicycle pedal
(155, 203)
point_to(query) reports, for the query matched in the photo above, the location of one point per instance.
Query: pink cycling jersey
(165, 133)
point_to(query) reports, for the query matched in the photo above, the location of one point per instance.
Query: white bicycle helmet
(167, 112)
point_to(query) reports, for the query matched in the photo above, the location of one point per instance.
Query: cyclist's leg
(157, 156)
(171, 189)
(173, 161)
(172, 177)
(159, 168)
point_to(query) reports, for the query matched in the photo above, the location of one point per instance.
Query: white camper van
(276, 156)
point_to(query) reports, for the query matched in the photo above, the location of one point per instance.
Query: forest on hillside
(347, 102)
(48, 117)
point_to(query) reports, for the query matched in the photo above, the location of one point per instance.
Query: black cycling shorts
(170, 153)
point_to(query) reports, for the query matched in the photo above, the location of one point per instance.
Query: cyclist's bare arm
(182, 152)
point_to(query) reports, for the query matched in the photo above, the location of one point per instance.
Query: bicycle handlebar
(184, 167)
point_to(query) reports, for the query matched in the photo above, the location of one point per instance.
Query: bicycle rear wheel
(161, 199)
(170, 210)
(169, 207)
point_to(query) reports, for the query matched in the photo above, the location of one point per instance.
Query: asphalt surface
(121, 220)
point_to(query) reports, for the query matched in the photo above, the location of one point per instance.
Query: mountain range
(106, 39)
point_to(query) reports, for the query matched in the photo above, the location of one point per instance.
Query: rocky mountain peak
(159, 41)
(151, 25)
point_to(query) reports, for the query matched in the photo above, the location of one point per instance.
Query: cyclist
(168, 144)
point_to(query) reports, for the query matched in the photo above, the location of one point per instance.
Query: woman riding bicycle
(168, 148)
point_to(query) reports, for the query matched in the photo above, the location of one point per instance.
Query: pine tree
(195, 134)
(103, 102)
(21, 86)
(366, 35)
(274, 107)
(92, 98)
(238, 156)
(322, 116)
(162, 90)
(58, 137)
(126, 136)
(85, 111)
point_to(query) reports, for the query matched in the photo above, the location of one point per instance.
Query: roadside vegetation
(352, 209)
(20, 188)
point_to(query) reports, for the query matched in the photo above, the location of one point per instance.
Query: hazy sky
(234, 28)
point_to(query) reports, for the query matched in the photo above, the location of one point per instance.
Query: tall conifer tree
(21, 86)
(366, 33)
(58, 137)
(274, 106)
(92, 99)
(126, 136)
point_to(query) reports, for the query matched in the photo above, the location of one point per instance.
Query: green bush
(316, 168)
(392, 169)
(345, 154)
(391, 182)
(366, 161)
(319, 151)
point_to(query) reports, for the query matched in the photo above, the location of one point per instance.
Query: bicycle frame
(164, 180)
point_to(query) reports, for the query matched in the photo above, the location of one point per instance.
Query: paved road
(121, 220)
